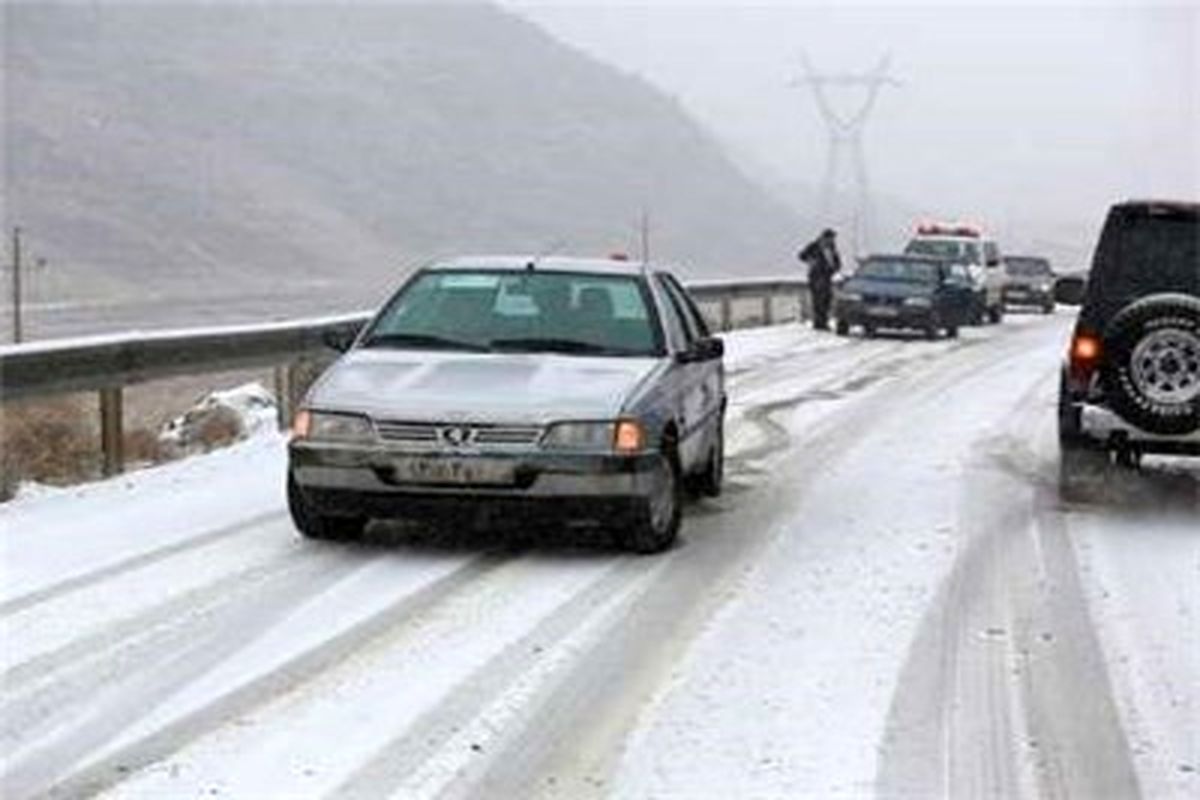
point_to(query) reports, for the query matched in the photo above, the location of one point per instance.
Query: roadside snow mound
(220, 418)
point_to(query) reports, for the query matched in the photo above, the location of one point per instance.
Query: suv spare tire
(1151, 370)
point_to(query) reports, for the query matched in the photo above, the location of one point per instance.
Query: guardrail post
(283, 396)
(768, 318)
(726, 312)
(112, 434)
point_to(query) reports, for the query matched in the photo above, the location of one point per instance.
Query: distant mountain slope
(231, 146)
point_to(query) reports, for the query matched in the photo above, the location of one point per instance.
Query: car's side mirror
(339, 338)
(1069, 290)
(703, 350)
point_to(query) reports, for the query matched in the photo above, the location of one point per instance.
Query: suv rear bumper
(1106, 429)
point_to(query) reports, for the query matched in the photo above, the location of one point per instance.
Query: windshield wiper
(421, 340)
(539, 345)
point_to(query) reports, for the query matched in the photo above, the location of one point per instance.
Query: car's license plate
(882, 311)
(1018, 293)
(453, 471)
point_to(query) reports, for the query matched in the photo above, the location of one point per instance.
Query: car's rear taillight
(1086, 350)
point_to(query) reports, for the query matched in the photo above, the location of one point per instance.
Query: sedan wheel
(657, 520)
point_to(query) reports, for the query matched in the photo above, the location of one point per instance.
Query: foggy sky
(1030, 120)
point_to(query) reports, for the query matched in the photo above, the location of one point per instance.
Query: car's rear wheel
(952, 332)
(657, 518)
(843, 328)
(314, 525)
(1151, 369)
(869, 331)
(995, 314)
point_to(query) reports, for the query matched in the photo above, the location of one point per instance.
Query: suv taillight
(1086, 350)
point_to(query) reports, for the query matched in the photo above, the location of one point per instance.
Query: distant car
(521, 388)
(968, 246)
(905, 292)
(1131, 381)
(1028, 281)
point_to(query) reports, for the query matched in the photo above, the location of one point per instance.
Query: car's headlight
(851, 297)
(918, 302)
(622, 436)
(580, 436)
(1045, 287)
(327, 426)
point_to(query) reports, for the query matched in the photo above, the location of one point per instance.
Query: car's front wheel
(657, 518)
(314, 525)
(708, 483)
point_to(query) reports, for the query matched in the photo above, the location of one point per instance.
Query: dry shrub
(142, 447)
(51, 440)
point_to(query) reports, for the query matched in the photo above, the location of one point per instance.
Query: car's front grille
(457, 435)
(882, 300)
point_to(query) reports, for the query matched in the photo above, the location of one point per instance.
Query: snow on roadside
(48, 537)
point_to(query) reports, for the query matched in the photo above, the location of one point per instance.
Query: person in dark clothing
(821, 255)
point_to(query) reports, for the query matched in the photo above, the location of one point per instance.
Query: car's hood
(486, 387)
(887, 288)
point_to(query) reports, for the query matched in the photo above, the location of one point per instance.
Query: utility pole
(16, 284)
(846, 139)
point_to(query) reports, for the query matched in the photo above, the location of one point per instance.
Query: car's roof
(916, 257)
(951, 237)
(508, 263)
(1172, 205)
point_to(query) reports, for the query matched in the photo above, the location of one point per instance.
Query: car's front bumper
(888, 316)
(340, 479)
(1027, 296)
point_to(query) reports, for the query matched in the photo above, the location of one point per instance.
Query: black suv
(1131, 381)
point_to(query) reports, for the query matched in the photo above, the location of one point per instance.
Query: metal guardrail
(107, 364)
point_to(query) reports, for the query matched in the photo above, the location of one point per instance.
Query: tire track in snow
(295, 671)
(95, 697)
(82, 581)
(395, 763)
(1005, 692)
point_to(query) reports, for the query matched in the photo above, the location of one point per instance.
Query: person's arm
(809, 253)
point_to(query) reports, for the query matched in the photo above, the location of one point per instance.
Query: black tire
(313, 525)
(995, 315)
(1151, 368)
(952, 332)
(1048, 308)
(652, 530)
(869, 331)
(931, 328)
(708, 483)
(843, 328)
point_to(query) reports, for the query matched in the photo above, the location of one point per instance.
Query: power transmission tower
(846, 141)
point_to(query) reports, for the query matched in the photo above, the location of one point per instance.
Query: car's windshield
(967, 252)
(1026, 267)
(898, 270)
(521, 311)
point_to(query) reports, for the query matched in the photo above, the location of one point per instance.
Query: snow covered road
(889, 600)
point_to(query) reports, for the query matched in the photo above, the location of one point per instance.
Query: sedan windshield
(899, 270)
(519, 311)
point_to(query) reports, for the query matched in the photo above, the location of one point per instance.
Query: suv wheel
(657, 518)
(843, 328)
(313, 525)
(1151, 371)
